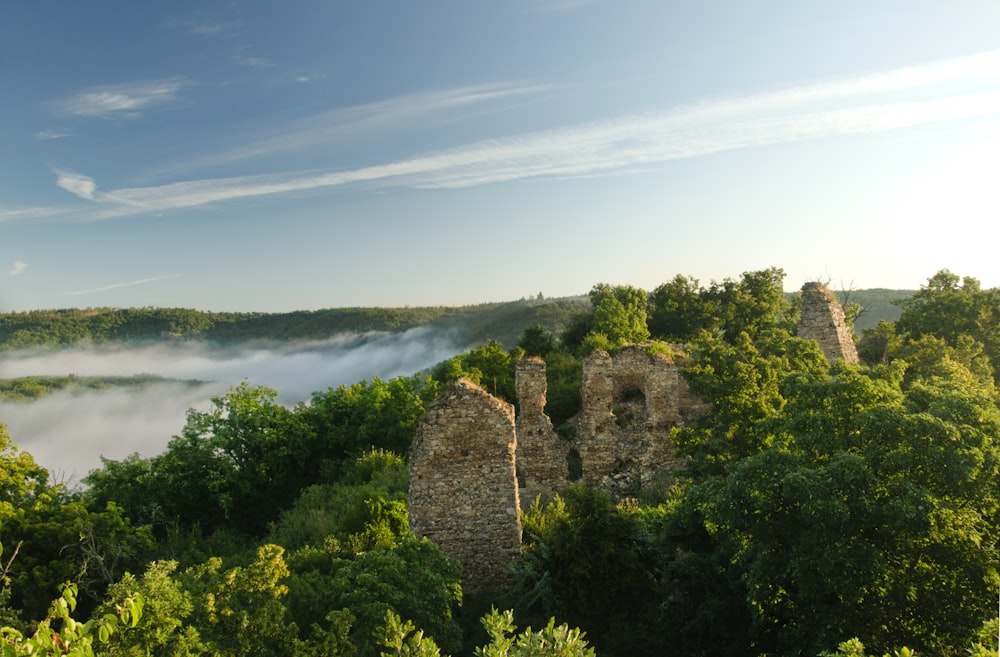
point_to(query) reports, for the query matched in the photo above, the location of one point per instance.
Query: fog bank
(69, 432)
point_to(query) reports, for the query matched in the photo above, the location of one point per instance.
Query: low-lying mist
(68, 432)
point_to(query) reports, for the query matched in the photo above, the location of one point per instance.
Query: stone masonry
(463, 492)
(472, 465)
(823, 321)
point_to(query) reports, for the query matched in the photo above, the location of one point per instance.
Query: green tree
(365, 508)
(166, 628)
(872, 518)
(61, 634)
(619, 313)
(488, 366)
(679, 310)
(550, 641)
(752, 305)
(412, 579)
(949, 308)
(536, 341)
(240, 611)
(589, 562)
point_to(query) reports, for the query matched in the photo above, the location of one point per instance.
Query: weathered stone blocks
(823, 321)
(463, 492)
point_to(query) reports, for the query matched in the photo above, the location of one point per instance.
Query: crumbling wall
(542, 457)
(471, 464)
(823, 321)
(631, 403)
(463, 492)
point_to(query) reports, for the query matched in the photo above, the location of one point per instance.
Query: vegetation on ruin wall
(836, 510)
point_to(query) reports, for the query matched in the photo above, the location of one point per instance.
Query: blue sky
(277, 156)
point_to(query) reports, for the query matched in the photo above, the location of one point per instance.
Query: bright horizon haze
(261, 156)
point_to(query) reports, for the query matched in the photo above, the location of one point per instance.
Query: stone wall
(632, 401)
(472, 465)
(463, 492)
(542, 457)
(823, 321)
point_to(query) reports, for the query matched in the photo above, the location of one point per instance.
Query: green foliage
(67, 327)
(680, 309)
(412, 579)
(950, 308)
(21, 479)
(350, 420)
(551, 641)
(30, 388)
(564, 375)
(590, 563)
(820, 502)
(365, 509)
(243, 462)
(742, 382)
(619, 313)
(61, 634)
(536, 341)
(404, 639)
(874, 518)
(240, 611)
(167, 627)
(60, 539)
(488, 366)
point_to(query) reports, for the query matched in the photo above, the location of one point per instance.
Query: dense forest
(474, 324)
(826, 509)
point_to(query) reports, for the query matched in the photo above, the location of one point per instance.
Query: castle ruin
(823, 320)
(473, 464)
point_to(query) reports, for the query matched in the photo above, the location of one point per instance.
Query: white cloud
(128, 100)
(113, 286)
(846, 107)
(208, 28)
(352, 122)
(254, 62)
(74, 183)
(46, 135)
(18, 268)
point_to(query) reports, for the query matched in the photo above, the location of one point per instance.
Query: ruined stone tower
(823, 321)
(463, 492)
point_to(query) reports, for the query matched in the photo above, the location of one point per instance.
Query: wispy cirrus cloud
(47, 135)
(207, 28)
(18, 268)
(253, 62)
(128, 100)
(944, 91)
(310, 78)
(8, 216)
(360, 120)
(113, 286)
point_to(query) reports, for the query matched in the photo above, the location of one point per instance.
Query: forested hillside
(474, 324)
(825, 509)
(503, 322)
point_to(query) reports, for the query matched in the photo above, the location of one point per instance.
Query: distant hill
(878, 305)
(472, 324)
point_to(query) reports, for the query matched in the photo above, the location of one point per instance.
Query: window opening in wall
(574, 465)
(628, 406)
